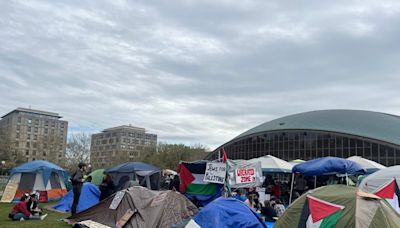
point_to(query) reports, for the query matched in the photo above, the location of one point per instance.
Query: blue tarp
(229, 213)
(328, 165)
(44, 167)
(90, 195)
(131, 167)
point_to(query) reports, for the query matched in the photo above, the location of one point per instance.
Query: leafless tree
(78, 149)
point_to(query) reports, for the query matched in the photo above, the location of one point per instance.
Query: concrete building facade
(120, 144)
(28, 134)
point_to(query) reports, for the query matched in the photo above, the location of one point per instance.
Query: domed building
(309, 135)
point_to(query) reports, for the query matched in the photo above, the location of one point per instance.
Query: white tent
(385, 181)
(273, 164)
(368, 165)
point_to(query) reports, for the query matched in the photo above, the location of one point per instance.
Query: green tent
(97, 176)
(339, 206)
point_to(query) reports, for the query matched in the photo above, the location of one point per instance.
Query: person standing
(77, 182)
(107, 187)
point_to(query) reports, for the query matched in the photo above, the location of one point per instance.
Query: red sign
(43, 196)
(245, 175)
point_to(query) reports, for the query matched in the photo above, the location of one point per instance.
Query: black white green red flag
(319, 213)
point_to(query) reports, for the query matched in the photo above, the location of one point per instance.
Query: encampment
(43, 176)
(339, 206)
(226, 212)
(90, 195)
(140, 207)
(147, 174)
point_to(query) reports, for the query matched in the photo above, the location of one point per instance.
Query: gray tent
(150, 209)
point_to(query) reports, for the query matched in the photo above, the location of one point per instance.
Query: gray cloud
(197, 71)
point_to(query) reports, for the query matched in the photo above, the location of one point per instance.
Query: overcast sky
(197, 71)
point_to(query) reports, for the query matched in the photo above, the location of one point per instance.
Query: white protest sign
(215, 173)
(245, 175)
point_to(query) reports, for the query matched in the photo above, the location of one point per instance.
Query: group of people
(27, 208)
(269, 209)
(107, 186)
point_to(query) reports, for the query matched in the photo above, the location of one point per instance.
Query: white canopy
(368, 165)
(273, 164)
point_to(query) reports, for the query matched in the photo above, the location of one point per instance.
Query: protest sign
(245, 175)
(215, 173)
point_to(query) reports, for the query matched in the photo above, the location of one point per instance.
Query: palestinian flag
(390, 192)
(191, 176)
(319, 213)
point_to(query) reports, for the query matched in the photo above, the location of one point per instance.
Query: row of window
(123, 146)
(128, 134)
(46, 123)
(125, 140)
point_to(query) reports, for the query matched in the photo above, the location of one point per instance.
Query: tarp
(273, 164)
(44, 167)
(380, 180)
(328, 166)
(360, 209)
(97, 176)
(151, 209)
(229, 213)
(368, 165)
(234, 165)
(90, 195)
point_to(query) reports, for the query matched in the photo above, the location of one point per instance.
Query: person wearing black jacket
(107, 187)
(77, 182)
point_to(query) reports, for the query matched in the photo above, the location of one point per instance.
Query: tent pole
(315, 182)
(291, 189)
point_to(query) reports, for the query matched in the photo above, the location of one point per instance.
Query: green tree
(168, 156)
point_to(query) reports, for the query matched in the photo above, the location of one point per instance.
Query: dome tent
(39, 175)
(97, 176)
(226, 213)
(339, 206)
(384, 183)
(148, 175)
(90, 195)
(150, 209)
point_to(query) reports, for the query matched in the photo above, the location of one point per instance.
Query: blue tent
(229, 213)
(327, 166)
(44, 167)
(90, 195)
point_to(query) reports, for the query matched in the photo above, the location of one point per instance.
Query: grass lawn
(52, 220)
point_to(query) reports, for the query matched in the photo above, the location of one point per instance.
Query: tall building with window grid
(120, 144)
(29, 134)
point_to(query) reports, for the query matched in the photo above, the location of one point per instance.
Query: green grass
(52, 220)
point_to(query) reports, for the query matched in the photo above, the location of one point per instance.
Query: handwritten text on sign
(245, 175)
(215, 173)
